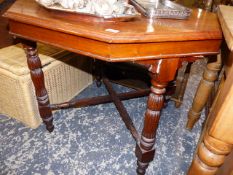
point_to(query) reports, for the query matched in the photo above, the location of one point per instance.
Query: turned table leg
(181, 83)
(145, 150)
(203, 92)
(210, 156)
(98, 72)
(37, 76)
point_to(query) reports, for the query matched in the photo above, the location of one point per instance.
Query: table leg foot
(37, 76)
(141, 169)
(144, 158)
(50, 129)
(193, 117)
(49, 124)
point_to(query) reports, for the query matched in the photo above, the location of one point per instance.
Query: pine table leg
(210, 156)
(210, 75)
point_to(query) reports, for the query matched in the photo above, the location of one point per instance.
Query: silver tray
(121, 17)
(161, 9)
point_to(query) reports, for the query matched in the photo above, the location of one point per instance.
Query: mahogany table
(159, 45)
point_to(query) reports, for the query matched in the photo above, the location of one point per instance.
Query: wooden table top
(110, 40)
(201, 25)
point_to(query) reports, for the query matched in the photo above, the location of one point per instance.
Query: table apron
(115, 52)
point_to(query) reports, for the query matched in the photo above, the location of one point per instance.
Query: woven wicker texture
(65, 77)
(12, 58)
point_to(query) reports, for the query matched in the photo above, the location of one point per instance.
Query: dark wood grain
(37, 76)
(160, 45)
(159, 80)
(202, 25)
(99, 100)
(133, 40)
(115, 52)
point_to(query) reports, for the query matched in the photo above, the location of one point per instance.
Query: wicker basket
(65, 77)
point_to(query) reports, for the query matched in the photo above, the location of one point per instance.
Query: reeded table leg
(145, 150)
(37, 76)
(203, 92)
